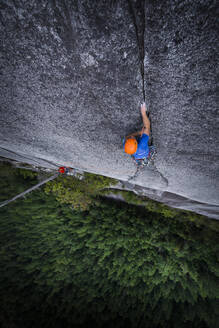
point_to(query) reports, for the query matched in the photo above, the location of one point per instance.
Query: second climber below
(136, 144)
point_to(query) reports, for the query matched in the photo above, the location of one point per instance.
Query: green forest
(69, 257)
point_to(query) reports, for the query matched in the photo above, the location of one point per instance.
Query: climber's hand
(143, 109)
(146, 121)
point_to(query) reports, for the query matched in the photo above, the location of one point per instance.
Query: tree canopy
(112, 265)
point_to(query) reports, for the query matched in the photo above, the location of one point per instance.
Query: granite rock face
(180, 73)
(73, 74)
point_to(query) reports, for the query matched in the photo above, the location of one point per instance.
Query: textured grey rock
(71, 84)
(70, 81)
(180, 73)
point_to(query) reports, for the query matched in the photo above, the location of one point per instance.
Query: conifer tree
(112, 265)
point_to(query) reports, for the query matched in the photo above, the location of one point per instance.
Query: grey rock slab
(71, 82)
(181, 81)
(71, 85)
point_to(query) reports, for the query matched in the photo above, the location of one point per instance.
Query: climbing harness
(148, 160)
(140, 163)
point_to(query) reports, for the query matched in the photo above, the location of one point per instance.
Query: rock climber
(64, 170)
(136, 144)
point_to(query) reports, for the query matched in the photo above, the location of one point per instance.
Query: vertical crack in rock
(137, 11)
(138, 16)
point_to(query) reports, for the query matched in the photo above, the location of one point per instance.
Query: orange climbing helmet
(131, 146)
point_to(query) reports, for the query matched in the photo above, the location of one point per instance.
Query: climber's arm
(135, 134)
(147, 126)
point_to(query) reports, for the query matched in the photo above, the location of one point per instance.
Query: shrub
(78, 193)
